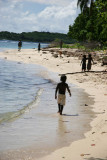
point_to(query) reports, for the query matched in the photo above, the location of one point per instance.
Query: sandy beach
(94, 145)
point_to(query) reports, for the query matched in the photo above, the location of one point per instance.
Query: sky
(37, 15)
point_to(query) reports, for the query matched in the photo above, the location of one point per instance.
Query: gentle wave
(4, 41)
(13, 115)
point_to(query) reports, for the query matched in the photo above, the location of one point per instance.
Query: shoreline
(94, 144)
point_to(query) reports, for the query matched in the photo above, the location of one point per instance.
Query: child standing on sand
(90, 59)
(61, 88)
(83, 62)
(19, 45)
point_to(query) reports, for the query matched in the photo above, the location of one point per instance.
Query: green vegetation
(91, 24)
(35, 36)
(105, 57)
(75, 45)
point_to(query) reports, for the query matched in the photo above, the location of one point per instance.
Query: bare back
(61, 87)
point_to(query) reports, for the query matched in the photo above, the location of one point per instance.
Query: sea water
(30, 126)
(9, 44)
(19, 86)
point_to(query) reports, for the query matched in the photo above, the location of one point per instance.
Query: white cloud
(53, 2)
(49, 2)
(53, 18)
(58, 18)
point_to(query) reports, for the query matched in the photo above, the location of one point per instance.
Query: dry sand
(94, 145)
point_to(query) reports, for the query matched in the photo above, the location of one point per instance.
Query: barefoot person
(19, 45)
(61, 88)
(89, 64)
(83, 62)
(39, 47)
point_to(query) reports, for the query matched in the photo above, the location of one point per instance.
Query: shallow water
(9, 44)
(39, 129)
(19, 86)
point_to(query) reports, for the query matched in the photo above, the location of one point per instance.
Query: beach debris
(67, 132)
(60, 53)
(44, 52)
(80, 82)
(55, 55)
(29, 57)
(57, 65)
(92, 144)
(103, 132)
(93, 132)
(86, 104)
(5, 57)
(52, 52)
(84, 154)
(64, 121)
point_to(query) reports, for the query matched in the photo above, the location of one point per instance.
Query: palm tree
(84, 4)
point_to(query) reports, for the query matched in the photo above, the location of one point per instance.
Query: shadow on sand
(70, 115)
(95, 159)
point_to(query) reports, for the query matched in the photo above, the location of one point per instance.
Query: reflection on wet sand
(41, 130)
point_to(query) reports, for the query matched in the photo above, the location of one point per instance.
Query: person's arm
(92, 60)
(56, 92)
(69, 90)
(81, 62)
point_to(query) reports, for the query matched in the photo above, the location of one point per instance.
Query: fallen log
(84, 72)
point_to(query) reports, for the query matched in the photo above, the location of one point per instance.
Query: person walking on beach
(19, 45)
(83, 62)
(90, 59)
(61, 89)
(61, 43)
(39, 47)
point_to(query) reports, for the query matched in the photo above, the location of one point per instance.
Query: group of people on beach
(63, 86)
(83, 62)
(20, 46)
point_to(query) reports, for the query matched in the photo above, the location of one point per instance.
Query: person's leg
(61, 109)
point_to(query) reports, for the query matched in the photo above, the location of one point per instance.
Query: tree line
(35, 36)
(91, 23)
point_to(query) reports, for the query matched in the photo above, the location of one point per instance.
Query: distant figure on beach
(83, 62)
(60, 53)
(61, 43)
(90, 60)
(19, 45)
(39, 47)
(61, 89)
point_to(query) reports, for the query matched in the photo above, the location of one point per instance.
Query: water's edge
(26, 151)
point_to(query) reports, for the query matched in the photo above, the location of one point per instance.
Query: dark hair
(84, 56)
(63, 78)
(89, 55)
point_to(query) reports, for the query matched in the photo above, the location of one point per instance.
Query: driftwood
(84, 72)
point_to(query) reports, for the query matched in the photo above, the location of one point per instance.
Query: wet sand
(41, 130)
